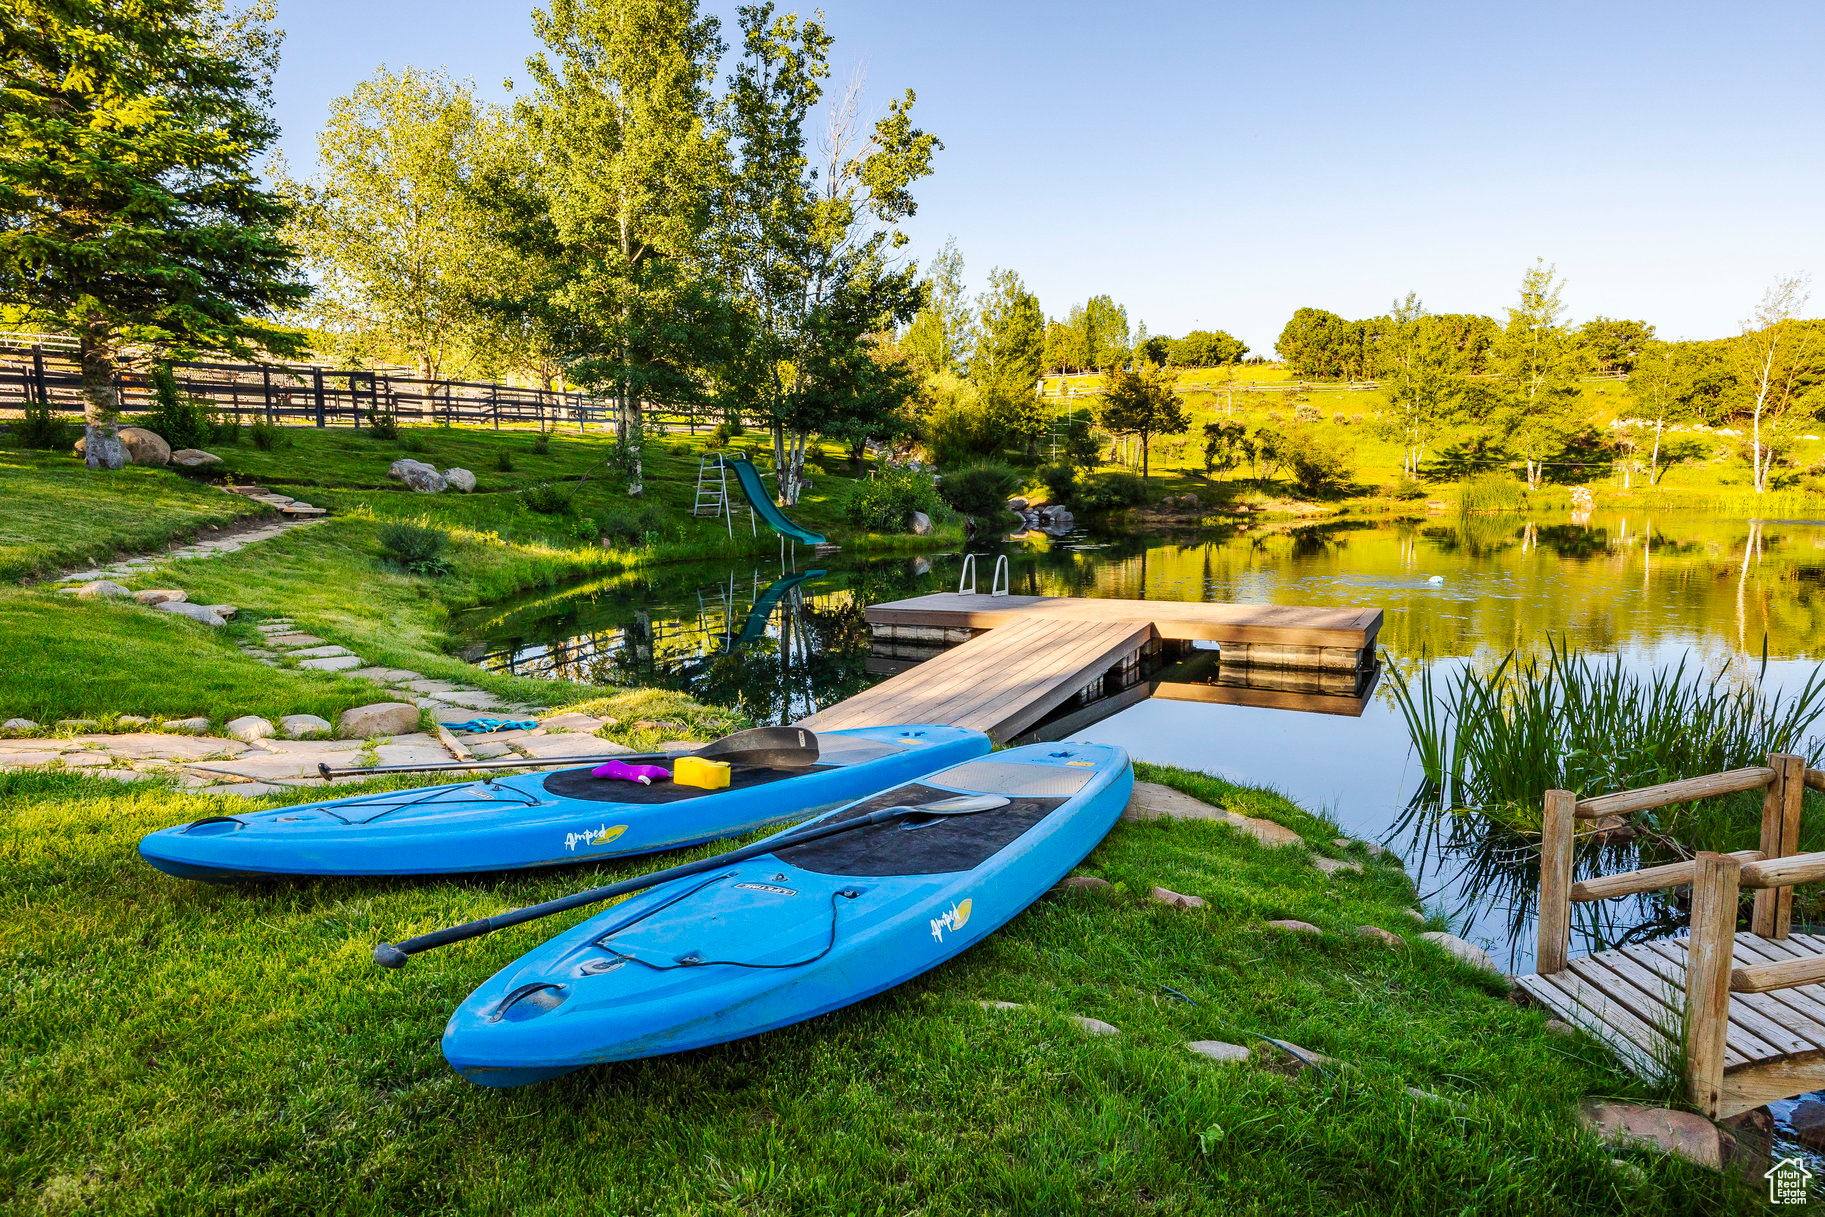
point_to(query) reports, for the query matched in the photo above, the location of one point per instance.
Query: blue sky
(1218, 165)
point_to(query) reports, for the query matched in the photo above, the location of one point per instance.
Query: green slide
(763, 503)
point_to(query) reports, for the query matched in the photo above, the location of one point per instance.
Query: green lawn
(54, 514)
(174, 1047)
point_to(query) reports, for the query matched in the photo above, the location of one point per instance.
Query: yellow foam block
(695, 771)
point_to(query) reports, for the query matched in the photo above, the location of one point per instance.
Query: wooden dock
(1633, 1000)
(1001, 683)
(1266, 635)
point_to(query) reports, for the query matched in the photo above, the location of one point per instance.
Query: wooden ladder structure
(1743, 1012)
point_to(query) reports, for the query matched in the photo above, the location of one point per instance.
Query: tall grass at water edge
(1491, 493)
(1490, 744)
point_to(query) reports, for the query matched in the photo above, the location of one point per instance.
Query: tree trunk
(102, 448)
(1654, 460)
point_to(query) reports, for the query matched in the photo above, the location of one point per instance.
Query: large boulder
(196, 612)
(297, 726)
(194, 458)
(381, 718)
(459, 479)
(101, 589)
(249, 727)
(145, 447)
(161, 595)
(921, 524)
(1684, 1133)
(423, 478)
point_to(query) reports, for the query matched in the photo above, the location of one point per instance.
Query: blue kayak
(798, 932)
(544, 819)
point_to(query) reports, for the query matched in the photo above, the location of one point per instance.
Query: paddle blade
(774, 747)
(962, 805)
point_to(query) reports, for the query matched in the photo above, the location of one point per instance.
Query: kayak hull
(540, 819)
(787, 936)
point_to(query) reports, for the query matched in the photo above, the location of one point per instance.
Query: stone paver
(331, 663)
(1152, 801)
(321, 652)
(570, 745)
(294, 640)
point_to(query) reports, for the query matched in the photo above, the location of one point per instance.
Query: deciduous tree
(1206, 349)
(1538, 365)
(940, 336)
(131, 213)
(1142, 402)
(1771, 360)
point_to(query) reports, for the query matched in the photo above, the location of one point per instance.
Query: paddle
(773, 747)
(388, 955)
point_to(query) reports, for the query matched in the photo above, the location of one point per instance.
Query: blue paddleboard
(807, 929)
(544, 819)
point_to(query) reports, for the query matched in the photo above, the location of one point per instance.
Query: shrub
(1492, 492)
(504, 462)
(182, 422)
(725, 431)
(263, 435)
(624, 526)
(1339, 419)
(541, 444)
(1305, 412)
(412, 441)
(1318, 469)
(1407, 489)
(42, 429)
(546, 499)
(383, 424)
(979, 490)
(679, 447)
(1060, 482)
(886, 502)
(418, 549)
(1109, 490)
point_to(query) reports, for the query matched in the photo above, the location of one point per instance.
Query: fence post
(1773, 915)
(494, 403)
(266, 392)
(1716, 885)
(317, 387)
(1555, 920)
(355, 398)
(44, 393)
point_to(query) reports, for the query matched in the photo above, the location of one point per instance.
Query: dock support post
(1555, 881)
(1773, 915)
(1717, 882)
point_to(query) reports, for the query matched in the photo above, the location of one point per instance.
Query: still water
(781, 640)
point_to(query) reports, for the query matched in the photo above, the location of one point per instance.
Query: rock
(332, 663)
(161, 595)
(194, 458)
(1294, 927)
(100, 589)
(459, 479)
(188, 726)
(196, 612)
(221, 610)
(1217, 1050)
(1095, 1026)
(644, 724)
(76, 724)
(248, 728)
(1685, 1133)
(1152, 801)
(921, 526)
(1302, 1058)
(1379, 935)
(1177, 900)
(1089, 883)
(1416, 915)
(1331, 866)
(145, 447)
(18, 725)
(1017, 505)
(1808, 1120)
(1469, 952)
(423, 478)
(381, 718)
(297, 726)
(131, 720)
(999, 1005)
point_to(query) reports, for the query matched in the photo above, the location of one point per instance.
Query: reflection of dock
(1043, 666)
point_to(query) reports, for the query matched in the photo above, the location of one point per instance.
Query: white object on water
(1436, 579)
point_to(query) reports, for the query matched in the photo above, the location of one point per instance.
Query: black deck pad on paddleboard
(936, 847)
(579, 784)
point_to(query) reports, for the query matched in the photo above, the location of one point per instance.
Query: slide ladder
(713, 493)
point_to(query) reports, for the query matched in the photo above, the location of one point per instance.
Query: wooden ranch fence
(1743, 1013)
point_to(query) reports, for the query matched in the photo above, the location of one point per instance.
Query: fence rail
(298, 395)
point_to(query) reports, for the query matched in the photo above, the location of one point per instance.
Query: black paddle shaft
(390, 955)
(773, 747)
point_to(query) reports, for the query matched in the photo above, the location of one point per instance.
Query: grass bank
(168, 1046)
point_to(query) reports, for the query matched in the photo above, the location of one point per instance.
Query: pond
(780, 640)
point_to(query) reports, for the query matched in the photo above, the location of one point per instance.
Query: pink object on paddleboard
(646, 775)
